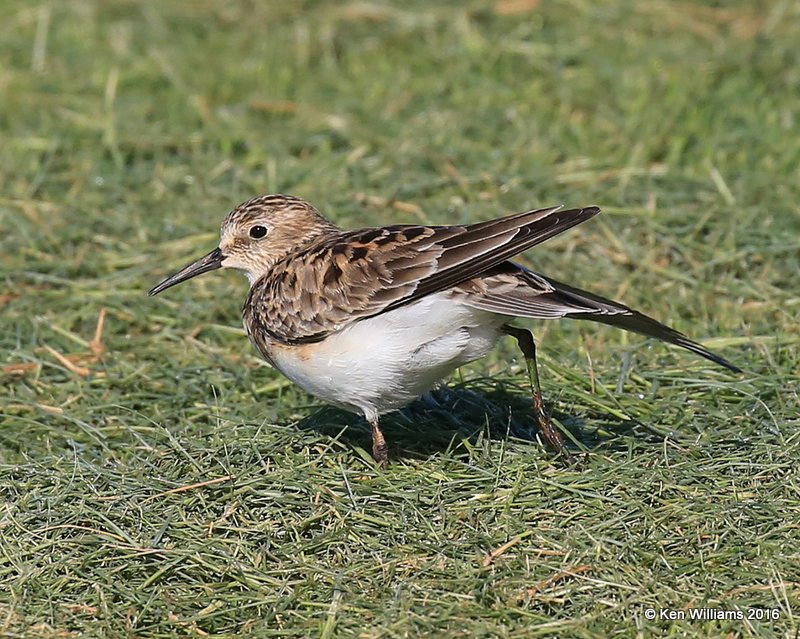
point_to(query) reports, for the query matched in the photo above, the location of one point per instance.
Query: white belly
(381, 364)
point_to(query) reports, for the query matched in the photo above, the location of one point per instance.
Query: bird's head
(255, 235)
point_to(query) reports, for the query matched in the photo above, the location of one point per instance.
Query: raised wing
(359, 274)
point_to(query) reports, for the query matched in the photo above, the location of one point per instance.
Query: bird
(370, 319)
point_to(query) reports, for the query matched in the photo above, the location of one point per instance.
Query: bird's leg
(550, 434)
(380, 449)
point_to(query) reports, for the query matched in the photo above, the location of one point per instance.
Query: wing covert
(358, 274)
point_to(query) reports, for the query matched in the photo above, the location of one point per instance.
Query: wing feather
(371, 271)
(515, 291)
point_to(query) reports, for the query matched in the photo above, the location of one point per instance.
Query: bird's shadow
(451, 417)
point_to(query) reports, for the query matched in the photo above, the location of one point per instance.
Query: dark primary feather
(486, 244)
(632, 320)
(516, 291)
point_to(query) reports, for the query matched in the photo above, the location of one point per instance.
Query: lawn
(157, 479)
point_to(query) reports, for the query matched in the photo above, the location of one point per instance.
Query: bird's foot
(380, 449)
(550, 433)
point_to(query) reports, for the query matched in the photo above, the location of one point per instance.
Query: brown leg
(380, 449)
(552, 437)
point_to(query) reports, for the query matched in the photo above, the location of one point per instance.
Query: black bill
(207, 263)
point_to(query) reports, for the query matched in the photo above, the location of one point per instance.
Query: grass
(159, 480)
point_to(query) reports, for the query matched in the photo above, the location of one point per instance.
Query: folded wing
(359, 274)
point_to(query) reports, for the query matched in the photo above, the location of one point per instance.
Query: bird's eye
(258, 231)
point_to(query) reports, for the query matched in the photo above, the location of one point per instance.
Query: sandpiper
(370, 319)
